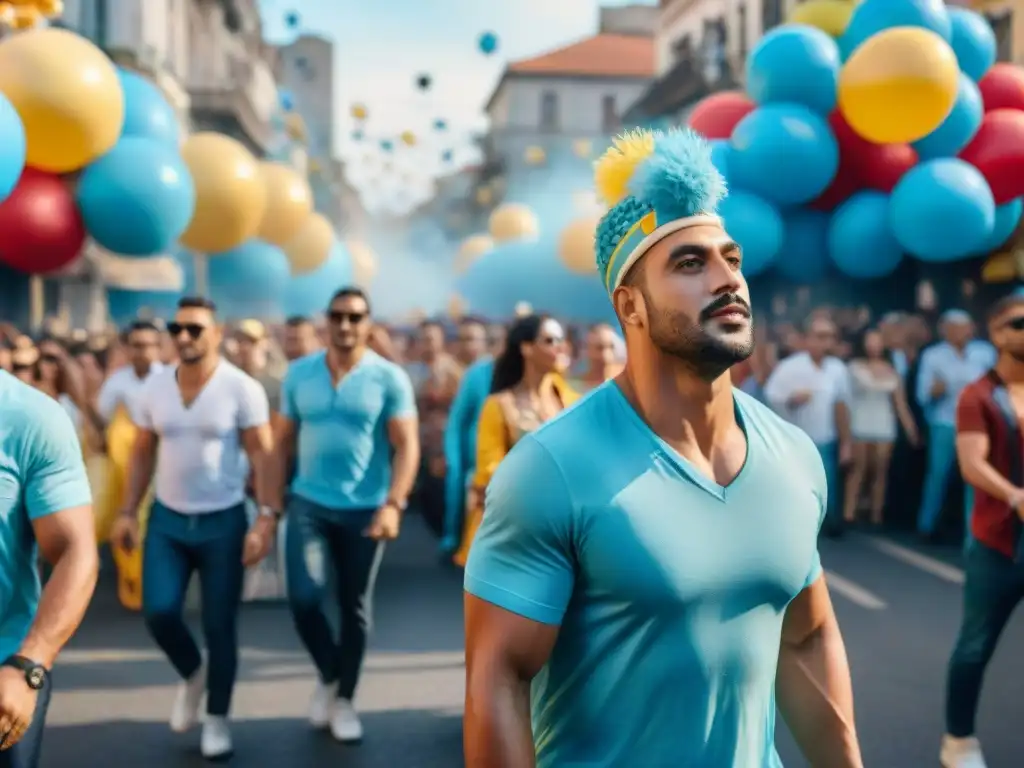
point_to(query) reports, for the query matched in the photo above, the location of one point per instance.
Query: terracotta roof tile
(605, 55)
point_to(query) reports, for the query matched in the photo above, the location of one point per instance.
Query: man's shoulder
(979, 390)
(29, 415)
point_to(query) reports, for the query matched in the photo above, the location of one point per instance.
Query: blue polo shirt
(344, 454)
(669, 590)
(41, 472)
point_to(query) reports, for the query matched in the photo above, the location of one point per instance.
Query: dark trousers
(25, 754)
(430, 495)
(321, 542)
(993, 586)
(176, 545)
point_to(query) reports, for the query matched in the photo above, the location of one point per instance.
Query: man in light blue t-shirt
(349, 419)
(45, 507)
(646, 575)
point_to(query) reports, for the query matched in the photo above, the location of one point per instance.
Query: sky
(381, 47)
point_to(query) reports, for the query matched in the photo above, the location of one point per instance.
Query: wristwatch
(35, 673)
(268, 511)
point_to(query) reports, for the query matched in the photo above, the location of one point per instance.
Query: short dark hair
(142, 325)
(472, 320)
(350, 292)
(1004, 305)
(431, 322)
(197, 302)
(296, 321)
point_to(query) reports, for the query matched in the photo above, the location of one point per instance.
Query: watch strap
(399, 505)
(35, 673)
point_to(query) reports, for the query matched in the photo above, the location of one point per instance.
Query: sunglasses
(1016, 323)
(551, 341)
(194, 330)
(339, 318)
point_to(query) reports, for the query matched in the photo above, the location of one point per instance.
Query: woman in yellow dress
(527, 390)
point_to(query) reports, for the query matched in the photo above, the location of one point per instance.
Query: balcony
(239, 105)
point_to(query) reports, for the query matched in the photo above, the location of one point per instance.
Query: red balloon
(715, 116)
(881, 166)
(41, 229)
(997, 150)
(847, 179)
(1003, 87)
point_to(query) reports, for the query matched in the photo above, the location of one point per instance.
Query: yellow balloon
(359, 112)
(535, 155)
(231, 195)
(576, 246)
(513, 221)
(289, 203)
(409, 138)
(899, 85)
(311, 245)
(830, 16)
(68, 95)
(582, 148)
(472, 248)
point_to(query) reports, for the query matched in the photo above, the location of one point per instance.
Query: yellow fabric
(492, 445)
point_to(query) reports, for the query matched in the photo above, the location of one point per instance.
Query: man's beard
(708, 356)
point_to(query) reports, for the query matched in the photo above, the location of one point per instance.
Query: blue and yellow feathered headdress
(654, 184)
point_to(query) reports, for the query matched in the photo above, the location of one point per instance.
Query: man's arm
(972, 447)
(842, 405)
(59, 505)
(140, 470)
(519, 581)
(404, 436)
(815, 695)
(925, 378)
(258, 439)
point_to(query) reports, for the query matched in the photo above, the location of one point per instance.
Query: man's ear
(629, 306)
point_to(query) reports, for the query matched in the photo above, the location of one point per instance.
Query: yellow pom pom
(616, 166)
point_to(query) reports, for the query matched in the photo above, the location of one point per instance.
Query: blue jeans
(176, 545)
(993, 586)
(320, 542)
(25, 754)
(829, 453)
(941, 465)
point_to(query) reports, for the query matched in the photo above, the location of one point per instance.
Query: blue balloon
(860, 242)
(973, 42)
(147, 113)
(803, 257)
(1007, 218)
(488, 42)
(942, 210)
(957, 130)
(784, 153)
(138, 198)
(310, 293)
(12, 148)
(872, 16)
(249, 281)
(796, 64)
(757, 226)
(124, 306)
(720, 150)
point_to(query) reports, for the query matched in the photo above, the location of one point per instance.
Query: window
(682, 49)
(741, 22)
(771, 14)
(609, 114)
(1002, 25)
(549, 111)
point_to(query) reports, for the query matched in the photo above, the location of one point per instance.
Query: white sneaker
(320, 705)
(961, 753)
(189, 698)
(215, 743)
(345, 725)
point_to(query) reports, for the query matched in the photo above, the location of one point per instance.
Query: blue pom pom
(679, 179)
(613, 227)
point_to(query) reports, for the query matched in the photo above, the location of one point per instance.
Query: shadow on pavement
(425, 739)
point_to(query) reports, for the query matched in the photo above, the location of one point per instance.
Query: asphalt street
(898, 606)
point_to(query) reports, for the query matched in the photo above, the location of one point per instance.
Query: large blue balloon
(720, 150)
(309, 294)
(124, 306)
(973, 41)
(12, 148)
(138, 198)
(957, 130)
(872, 16)
(803, 257)
(146, 112)
(942, 210)
(784, 153)
(757, 226)
(796, 64)
(1007, 218)
(860, 241)
(249, 281)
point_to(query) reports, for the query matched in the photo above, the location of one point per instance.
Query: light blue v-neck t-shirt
(344, 454)
(669, 590)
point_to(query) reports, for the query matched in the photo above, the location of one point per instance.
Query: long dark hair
(859, 349)
(510, 366)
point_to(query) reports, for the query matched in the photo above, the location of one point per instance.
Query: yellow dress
(499, 428)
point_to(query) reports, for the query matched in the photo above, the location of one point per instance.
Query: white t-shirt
(828, 384)
(122, 387)
(200, 464)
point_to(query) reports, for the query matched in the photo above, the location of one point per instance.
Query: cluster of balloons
(26, 14)
(869, 131)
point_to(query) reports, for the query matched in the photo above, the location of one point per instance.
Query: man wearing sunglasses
(198, 422)
(990, 451)
(349, 417)
(123, 387)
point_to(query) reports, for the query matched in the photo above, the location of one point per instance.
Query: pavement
(898, 606)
